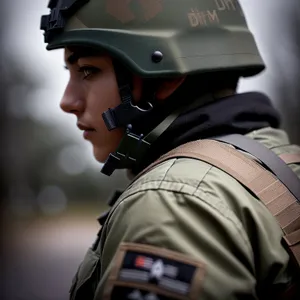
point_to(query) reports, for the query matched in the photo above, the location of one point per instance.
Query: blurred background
(52, 190)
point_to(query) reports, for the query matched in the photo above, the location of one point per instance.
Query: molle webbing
(290, 158)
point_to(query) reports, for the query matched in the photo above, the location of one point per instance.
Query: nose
(72, 101)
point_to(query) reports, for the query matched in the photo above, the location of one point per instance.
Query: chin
(100, 154)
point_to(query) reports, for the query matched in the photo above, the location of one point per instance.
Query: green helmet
(158, 38)
(153, 39)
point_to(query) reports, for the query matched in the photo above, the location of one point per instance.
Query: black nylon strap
(124, 81)
(168, 121)
(276, 165)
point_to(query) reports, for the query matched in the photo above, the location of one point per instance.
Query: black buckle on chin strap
(124, 114)
(131, 149)
(61, 10)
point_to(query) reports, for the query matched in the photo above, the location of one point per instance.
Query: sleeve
(162, 245)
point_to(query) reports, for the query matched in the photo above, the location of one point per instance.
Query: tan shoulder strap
(290, 158)
(277, 198)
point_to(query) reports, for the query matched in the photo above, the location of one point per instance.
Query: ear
(168, 87)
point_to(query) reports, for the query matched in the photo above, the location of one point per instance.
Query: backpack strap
(269, 159)
(261, 182)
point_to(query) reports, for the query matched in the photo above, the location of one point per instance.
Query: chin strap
(134, 147)
(126, 113)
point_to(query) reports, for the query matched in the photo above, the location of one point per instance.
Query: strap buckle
(131, 149)
(124, 114)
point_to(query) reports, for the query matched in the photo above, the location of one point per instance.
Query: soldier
(147, 77)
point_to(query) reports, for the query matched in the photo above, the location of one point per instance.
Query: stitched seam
(163, 180)
(199, 189)
(142, 187)
(237, 224)
(200, 181)
(279, 146)
(168, 181)
(141, 181)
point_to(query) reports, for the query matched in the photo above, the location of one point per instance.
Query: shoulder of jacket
(182, 175)
(190, 177)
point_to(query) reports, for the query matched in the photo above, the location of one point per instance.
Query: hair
(200, 84)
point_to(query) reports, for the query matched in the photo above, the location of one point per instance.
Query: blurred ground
(42, 254)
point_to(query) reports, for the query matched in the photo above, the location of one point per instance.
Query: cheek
(103, 93)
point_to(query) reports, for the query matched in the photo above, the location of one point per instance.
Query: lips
(84, 127)
(87, 131)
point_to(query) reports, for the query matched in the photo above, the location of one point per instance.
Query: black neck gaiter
(240, 114)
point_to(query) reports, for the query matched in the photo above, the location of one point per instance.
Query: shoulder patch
(143, 272)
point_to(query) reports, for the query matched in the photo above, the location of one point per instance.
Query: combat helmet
(153, 39)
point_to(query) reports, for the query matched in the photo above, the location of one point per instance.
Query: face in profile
(91, 90)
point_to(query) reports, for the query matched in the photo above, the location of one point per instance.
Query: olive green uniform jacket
(194, 209)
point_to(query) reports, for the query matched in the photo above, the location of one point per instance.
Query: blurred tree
(3, 182)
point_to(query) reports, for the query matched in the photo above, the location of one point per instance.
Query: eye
(87, 71)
